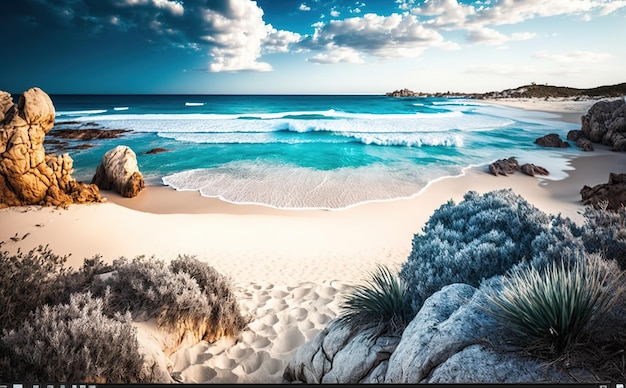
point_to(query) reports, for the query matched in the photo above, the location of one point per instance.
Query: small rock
(504, 166)
(532, 170)
(157, 150)
(552, 140)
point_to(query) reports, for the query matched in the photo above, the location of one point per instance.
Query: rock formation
(532, 170)
(509, 166)
(401, 93)
(613, 192)
(452, 339)
(552, 140)
(504, 166)
(27, 175)
(605, 123)
(119, 171)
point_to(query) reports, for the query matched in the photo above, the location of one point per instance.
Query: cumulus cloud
(382, 36)
(576, 56)
(334, 54)
(304, 7)
(492, 37)
(233, 32)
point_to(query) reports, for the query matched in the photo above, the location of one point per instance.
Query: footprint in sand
(269, 319)
(327, 292)
(240, 353)
(288, 340)
(260, 342)
(299, 313)
(273, 366)
(319, 319)
(224, 361)
(253, 363)
(279, 294)
(199, 373)
(301, 292)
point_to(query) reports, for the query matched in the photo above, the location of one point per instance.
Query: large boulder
(613, 192)
(27, 175)
(452, 339)
(341, 355)
(119, 171)
(605, 122)
(504, 166)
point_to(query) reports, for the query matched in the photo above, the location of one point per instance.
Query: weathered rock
(119, 171)
(504, 166)
(88, 134)
(584, 144)
(157, 150)
(551, 140)
(575, 134)
(27, 175)
(339, 355)
(613, 192)
(532, 170)
(605, 122)
(454, 339)
(401, 93)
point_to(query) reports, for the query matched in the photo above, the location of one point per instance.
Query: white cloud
(334, 13)
(334, 54)
(278, 41)
(577, 56)
(304, 7)
(492, 37)
(447, 14)
(382, 36)
(174, 7)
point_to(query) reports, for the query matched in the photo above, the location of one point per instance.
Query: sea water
(309, 151)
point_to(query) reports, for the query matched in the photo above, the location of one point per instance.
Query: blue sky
(309, 46)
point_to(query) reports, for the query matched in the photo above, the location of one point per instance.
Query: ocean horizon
(308, 151)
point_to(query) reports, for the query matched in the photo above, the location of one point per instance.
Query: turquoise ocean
(309, 151)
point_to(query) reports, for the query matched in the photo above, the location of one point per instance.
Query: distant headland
(527, 91)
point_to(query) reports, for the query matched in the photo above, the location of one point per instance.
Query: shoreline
(289, 268)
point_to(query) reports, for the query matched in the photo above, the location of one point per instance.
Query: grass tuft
(378, 303)
(551, 309)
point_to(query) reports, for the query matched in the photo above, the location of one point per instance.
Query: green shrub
(480, 237)
(72, 342)
(551, 308)
(378, 303)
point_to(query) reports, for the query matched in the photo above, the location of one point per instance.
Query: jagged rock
(613, 192)
(605, 122)
(157, 150)
(575, 134)
(552, 140)
(88, 134)
(452, 339)
(532, 170)
(401, 93)
(340, 355)
(27, 175)
(584, 144)
(119, 171)
(504, 166)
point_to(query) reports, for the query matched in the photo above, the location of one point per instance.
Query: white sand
(289, 268)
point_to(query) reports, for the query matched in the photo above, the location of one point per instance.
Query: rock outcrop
(401, 93)
(509, 166)
(504, 166)
(27, 175)
(552, 140)
(532, 170)
(613, 192)
(452, 339)
(119, 171)
(605, 122)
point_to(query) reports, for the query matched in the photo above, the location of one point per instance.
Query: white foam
(120, 108)
(409, 140)
(80, 112)
(194, 104)
(293, 187)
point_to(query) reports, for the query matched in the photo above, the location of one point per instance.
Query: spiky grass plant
(379, 303)
(550, 309)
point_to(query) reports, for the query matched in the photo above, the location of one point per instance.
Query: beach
(289, 267)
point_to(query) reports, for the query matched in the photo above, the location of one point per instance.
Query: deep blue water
(308, 151)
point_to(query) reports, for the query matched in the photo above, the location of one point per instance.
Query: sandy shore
(289, 267)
